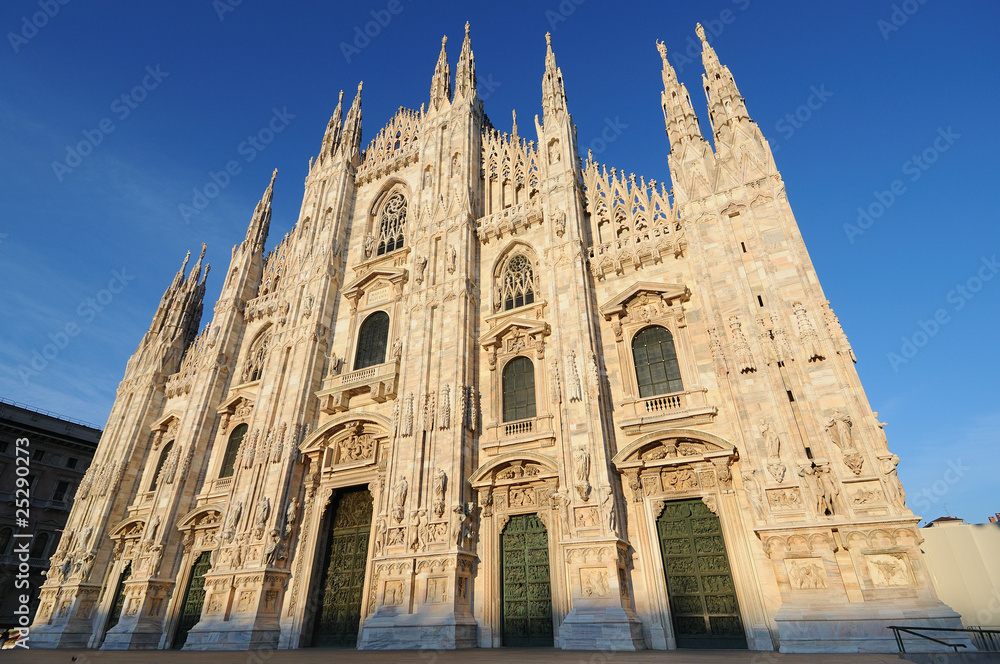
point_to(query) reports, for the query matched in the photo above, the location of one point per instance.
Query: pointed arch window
(39, 545)
(254, 367)
(517, 283)
(372, 340)
(656, 368)
(164, 453)
(232, 448)
(518, 390)
(391, 225)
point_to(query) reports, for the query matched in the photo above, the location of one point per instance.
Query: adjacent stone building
(485, 393)
(54, 455)
(964, 564)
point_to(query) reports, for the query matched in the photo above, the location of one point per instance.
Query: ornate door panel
(118, 601)
(699, 582)
(194, 599)
(527, 598)
(343, 581)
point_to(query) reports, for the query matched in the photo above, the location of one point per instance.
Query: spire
(333, 130)
(725, 104)
(261, 221)
(441, 83)
(179, 277)
(465, 74)
(196, 274)
(553, 91)
(678, 112)
(513, 131)
(351, 141)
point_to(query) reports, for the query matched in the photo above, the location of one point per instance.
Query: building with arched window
(486, 393)
(48, 455)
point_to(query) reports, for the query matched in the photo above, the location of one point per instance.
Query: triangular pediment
(232, 403)
(394, 275)
(669, 292)
(529, 326)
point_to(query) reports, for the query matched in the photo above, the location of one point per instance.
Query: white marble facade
(481, 251)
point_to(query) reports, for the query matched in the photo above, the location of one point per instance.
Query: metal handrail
(987, 636)
(49, 413)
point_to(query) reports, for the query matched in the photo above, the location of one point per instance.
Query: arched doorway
(117, 601)
(703, 605)
(194, 599)
(341, 585)
(526, 612)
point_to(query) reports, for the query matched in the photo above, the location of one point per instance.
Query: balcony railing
(378, 381)
(665, 407)
(535, 430)
(518, 428)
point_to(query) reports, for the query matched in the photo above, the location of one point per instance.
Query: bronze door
(118, 601)
(342, 584)
(194, 599)
(703, 603)
(527, 598)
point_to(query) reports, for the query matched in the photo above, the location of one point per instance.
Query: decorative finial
(514, 114)
(701, 33)
(274, 175)
(360, 85)
(203, 248)
(340, 99)
(548, 39)
(466, 28)
(662, 48)
(444, 40)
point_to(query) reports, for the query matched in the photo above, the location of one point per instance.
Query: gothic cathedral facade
(487, 393)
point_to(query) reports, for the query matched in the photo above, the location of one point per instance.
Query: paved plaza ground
(472, 656)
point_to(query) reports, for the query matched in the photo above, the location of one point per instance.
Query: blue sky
(887, 81)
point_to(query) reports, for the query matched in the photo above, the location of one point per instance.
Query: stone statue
(839, 429)
(831, 492)
(233, 518)
(420, 265)
(610, 510)
(418, 531)
(771, 440)
(273, 550)
(440, 484)
(560, 502)
(291, 514)
(897, 495)
(752, 487)
(263, 511)
(399, 500)
(581, 473)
